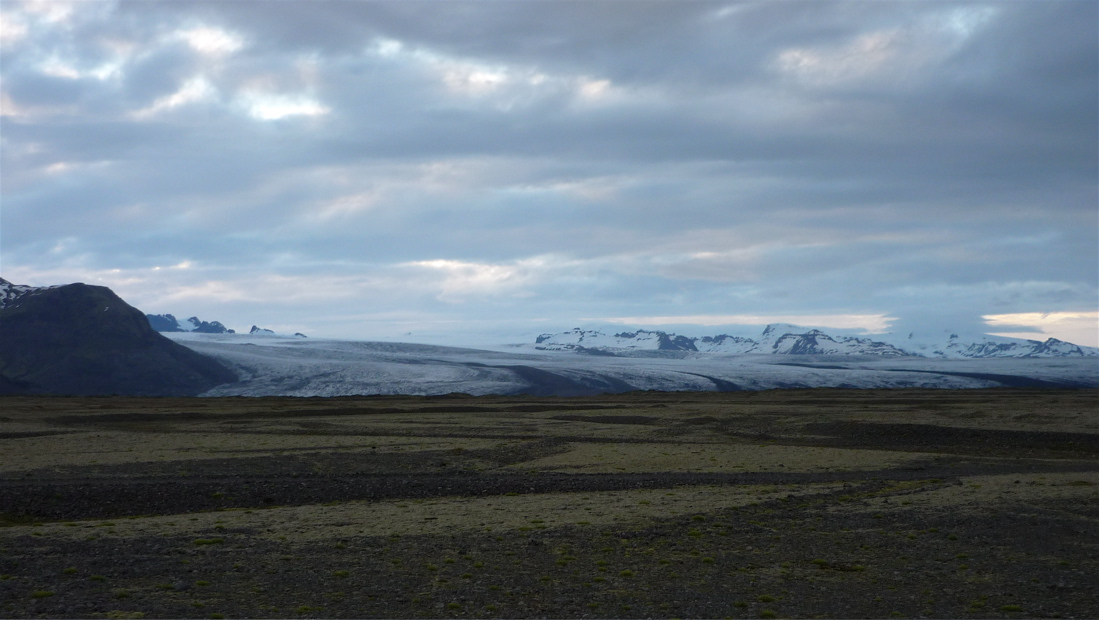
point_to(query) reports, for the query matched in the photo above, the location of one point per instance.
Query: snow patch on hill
(10, 294)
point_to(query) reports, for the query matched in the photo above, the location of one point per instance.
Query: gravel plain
(792, 503)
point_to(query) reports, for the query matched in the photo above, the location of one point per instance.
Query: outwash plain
(823, 503)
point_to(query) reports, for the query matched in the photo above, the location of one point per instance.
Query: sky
(440, 171)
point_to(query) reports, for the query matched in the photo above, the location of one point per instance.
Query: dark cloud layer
(367, 168)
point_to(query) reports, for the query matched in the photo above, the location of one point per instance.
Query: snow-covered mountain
(784, 339)
(775, 339)
(953, 346)
(260, 331)
(596, 342)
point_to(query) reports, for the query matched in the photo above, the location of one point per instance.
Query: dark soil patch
(98, 498)
(609, 419)
(929, 438)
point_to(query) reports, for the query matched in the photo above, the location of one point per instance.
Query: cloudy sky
(416, 170)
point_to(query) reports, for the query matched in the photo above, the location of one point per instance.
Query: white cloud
(387, 47)
(471, 79)
(459, 76)
(191, 282)
(58, 168)
(342, 206)
(866, 55)
(56, 67)
(459, 281)
(737, 265)
(212, 41)
(11, 109)
(591, 91)
(594, 89)
(504, 86)
(590, 189)
(51, 11)
(193, 91)
(965, 20)
(273, 107)
(12, 29)
(886, 54)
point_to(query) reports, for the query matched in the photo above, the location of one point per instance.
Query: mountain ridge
(169, 324)
(785, 339)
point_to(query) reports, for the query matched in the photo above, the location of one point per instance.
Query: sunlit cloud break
(1076, 327)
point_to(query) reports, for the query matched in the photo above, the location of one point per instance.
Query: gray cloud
(542, 161)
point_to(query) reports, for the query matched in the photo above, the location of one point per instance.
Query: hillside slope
(81, 339)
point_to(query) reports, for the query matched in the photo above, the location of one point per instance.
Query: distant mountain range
(168, 323)
(783, 339)
(81, 339)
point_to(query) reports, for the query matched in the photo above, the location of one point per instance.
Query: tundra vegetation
(793, 503)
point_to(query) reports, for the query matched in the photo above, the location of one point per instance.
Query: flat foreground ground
(800, 503)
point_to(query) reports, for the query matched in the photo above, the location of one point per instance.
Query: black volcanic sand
(958, 504)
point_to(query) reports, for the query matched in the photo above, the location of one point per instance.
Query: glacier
(284, 366)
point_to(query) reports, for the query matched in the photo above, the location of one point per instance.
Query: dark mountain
(81, 339)
(815, 342)
(169, 323)
(163, 323)
(665, 342)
